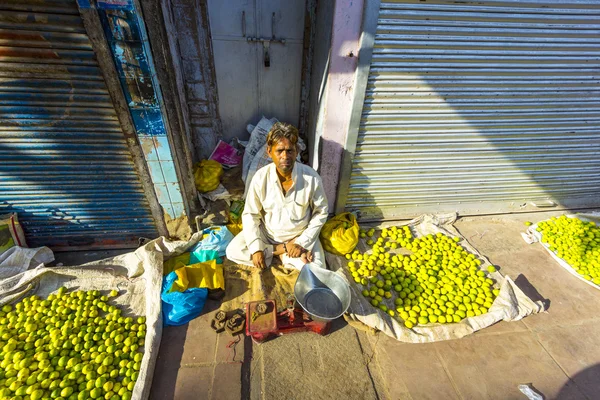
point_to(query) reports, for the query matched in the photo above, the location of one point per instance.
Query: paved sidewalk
(196, 363)
(556, 351)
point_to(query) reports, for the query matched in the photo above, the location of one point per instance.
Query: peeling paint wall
(128, 42)
(189, 26)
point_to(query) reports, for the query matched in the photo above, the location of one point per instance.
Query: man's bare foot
(307, 257)
(304, 258)
(310, 256)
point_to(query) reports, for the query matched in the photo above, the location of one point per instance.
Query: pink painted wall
(347, 24)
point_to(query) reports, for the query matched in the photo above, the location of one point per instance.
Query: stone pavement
(556, 351)
(195, 362)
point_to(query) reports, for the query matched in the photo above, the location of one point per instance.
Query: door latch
(266, 42)
(266, 47)
(266, 55)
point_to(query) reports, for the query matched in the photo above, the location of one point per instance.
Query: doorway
(258, 50)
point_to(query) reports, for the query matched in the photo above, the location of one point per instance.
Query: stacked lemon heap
(434, 281)
(69, 346)
(575, 241)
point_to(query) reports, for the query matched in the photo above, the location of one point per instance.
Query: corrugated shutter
(65, 167)
(480, 106)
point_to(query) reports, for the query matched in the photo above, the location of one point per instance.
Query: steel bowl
(323, 294)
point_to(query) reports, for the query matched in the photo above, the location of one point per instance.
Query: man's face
(283, 154)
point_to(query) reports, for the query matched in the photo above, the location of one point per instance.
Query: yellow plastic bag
(182, 282)
(207, 175)
(235, 227)
(207, 274)
(175, 263)
(339, 235)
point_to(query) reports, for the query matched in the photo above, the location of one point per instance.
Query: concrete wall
(318, 78)
(339, 93)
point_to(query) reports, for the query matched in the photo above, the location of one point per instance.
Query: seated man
(285, 209)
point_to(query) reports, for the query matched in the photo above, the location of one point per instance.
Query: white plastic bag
(258, 138)
(220, 193)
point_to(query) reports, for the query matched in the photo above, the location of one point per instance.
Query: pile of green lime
(435, 281)
(575, 241)
(72, 346)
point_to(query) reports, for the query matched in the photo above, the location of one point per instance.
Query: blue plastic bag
(198, 256)
(181, 307)
(218, 239)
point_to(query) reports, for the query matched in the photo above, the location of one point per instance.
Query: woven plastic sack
(207, 175)
(218, 239)
(181, 307)
(11, 232)
(339, 235)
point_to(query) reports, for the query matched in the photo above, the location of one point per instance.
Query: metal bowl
(322, 293)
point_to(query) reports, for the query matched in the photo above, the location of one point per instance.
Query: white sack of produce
(573, 241)
(434, 291)
(136, 276)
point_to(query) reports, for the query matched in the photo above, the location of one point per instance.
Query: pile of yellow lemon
(70, 346)
(575, 241)
(436, 281)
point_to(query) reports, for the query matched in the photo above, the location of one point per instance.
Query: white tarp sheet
(137, 275)
(533, 236)
(510, 305)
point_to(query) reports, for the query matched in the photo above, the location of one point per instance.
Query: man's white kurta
(301, 212)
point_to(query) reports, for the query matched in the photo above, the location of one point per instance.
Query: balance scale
(319, 297)
(264, 322)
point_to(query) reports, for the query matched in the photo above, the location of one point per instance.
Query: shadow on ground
(170, 356)
(587, 380)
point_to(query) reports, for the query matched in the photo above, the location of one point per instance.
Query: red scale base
(264, 322)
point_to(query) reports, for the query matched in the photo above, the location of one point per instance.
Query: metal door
(479, 107)
(257, 46)
(65, 167)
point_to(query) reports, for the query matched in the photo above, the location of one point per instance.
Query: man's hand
(307, 257)
(279, 249)
(295, 250)
(258, 259)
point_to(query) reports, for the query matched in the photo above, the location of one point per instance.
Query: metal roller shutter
(65, 167)
(479, 107)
